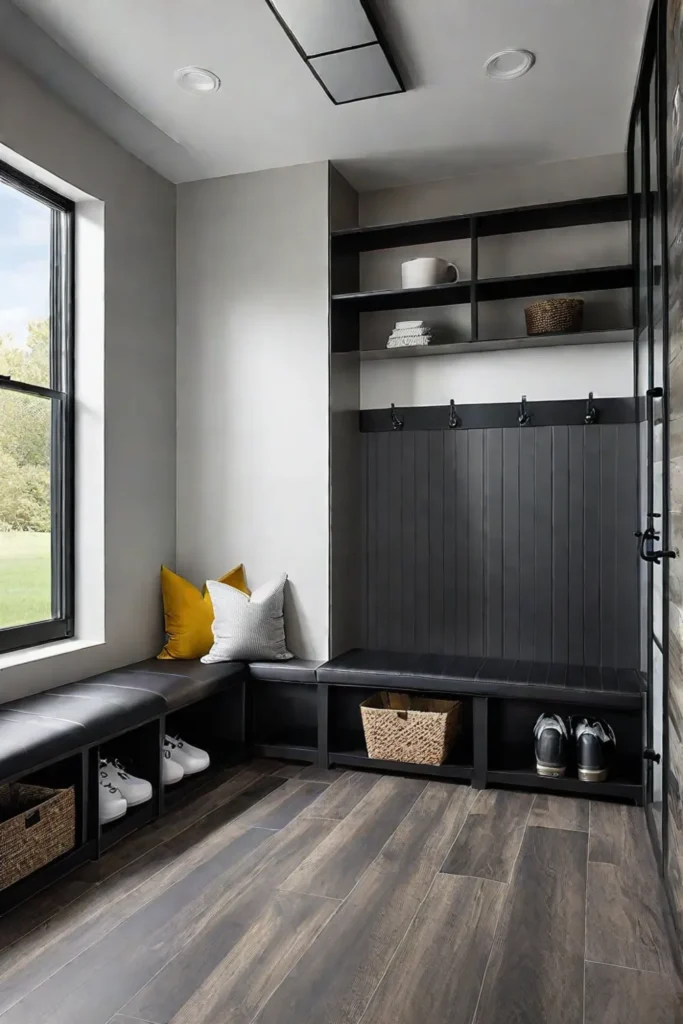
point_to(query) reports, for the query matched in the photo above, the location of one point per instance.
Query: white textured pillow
(248, 628)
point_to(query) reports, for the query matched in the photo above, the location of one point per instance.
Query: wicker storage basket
(554, 316)
(399, 727)
(36, 825)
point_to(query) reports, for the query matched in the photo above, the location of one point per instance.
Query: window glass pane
(25, 230)
(25, 503)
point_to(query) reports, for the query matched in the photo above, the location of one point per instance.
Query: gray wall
(126, 388)
(253, 381)
(503, 542)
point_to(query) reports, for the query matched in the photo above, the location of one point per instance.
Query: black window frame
(61, 392)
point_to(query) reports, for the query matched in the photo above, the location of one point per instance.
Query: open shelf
(405, 298)
(132, 820)
(618, 787)
(360, 759)
(286, 751)
(598, 209)
(488, 289)
(501, 344)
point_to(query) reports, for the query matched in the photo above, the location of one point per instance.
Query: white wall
(253, 382)
(501, 377)
(129, 412)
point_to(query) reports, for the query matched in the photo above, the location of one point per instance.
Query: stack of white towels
(410, 332)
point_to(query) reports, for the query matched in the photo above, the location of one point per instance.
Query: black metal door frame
(653, 64)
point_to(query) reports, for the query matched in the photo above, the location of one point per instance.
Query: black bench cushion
(28, 741)
(99, 716)
(296, 670)
(494, 677)
(179, 682)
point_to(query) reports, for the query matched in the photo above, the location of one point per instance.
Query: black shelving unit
(496, 743)
(595, 210)
(348, 301)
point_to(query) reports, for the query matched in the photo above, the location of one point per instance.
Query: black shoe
(551, 746)
(595, 746)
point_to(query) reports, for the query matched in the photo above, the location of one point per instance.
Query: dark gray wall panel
(505, 542)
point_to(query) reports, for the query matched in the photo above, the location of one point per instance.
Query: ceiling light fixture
(509, 64)
(343, 46)
(197, 80)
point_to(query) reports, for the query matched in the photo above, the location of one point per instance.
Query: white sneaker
(112, 804)
(134, 791)
(192, 759)
(171, 771)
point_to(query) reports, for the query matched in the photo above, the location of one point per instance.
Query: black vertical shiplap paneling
(543, 628)
(511, 442)
(576, 580)
(592, 530)
(608, 543)
(437, 566)
(476, 551)
(527, 542)
(395, 531)
(627, 567)
(462, 544)
(371, 539)
(503, 542)
(560, 544)
(422, 610)
(363, 568)
(382, 544)
(450, 528)
(493, 492)
(407, 446)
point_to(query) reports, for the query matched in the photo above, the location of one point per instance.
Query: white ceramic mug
(426, 271)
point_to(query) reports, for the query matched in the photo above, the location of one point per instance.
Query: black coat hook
(524, 417)
(453, 420)
(591, 412)
(396, 420)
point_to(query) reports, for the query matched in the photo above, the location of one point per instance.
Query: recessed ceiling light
(197, 80)
(509, 64)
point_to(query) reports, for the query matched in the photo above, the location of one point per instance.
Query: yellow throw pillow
(188, 614)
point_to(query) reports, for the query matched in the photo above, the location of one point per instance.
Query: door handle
(647, 537)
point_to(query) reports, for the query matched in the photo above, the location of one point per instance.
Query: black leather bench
(49, 726)
(491, 677)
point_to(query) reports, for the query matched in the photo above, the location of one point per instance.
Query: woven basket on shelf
(36, 825)
(399, 727)
(554, 316)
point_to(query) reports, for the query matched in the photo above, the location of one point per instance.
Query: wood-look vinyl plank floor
(437, 972)
(336, 864)
(87, 920)
(568, 812)
(489, 842)
(336, 977)
(535, 973)
(343, 795)
(255, 934)
(624, 922)
(619, 995)
(35, 912)
(431, 903)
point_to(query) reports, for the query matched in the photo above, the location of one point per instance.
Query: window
(36, 413)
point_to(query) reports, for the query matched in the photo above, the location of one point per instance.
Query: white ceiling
(271, 112)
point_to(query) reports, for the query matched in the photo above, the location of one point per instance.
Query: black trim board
(571, 412)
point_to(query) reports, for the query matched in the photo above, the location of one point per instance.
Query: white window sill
(31, 654)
